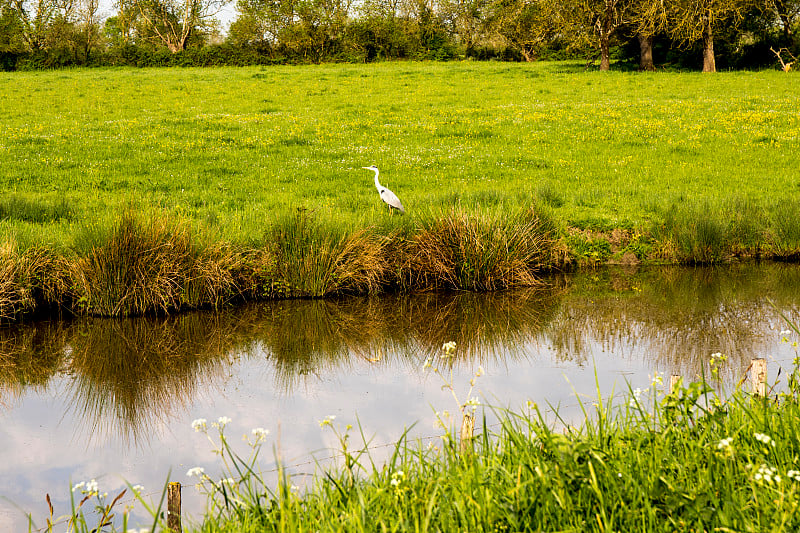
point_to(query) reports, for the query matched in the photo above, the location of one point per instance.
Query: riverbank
(154, 266)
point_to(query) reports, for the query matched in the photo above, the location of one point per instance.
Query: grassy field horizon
(233, 148)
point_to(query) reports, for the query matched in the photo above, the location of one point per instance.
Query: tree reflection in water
(128, 374)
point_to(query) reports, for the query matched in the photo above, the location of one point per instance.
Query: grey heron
(387, 196)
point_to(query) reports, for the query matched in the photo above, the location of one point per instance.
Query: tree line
(703, 34)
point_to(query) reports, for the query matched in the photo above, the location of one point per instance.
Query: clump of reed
(30, 279)
(152, 267)
(481, 251)
(311, 258)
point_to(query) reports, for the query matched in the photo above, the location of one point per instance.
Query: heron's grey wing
(391, 198)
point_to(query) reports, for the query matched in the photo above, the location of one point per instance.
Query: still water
(113, 400)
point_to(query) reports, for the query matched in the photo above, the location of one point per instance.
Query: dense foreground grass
(693, 459)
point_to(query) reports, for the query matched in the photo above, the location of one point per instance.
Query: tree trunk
(605, 52)
(646, 52)
(605, 26)
(787, 30)
(786, 23)
(709, 64)
(527, 55)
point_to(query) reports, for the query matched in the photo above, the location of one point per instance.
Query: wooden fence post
(674, 380)
(467, 427)
(174, 507)
(758, 376)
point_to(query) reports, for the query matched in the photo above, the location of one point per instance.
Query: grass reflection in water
(128, 374)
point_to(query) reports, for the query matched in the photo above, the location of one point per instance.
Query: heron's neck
(377, 184)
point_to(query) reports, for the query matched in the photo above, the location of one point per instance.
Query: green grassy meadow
(255, 170)
(233, 148)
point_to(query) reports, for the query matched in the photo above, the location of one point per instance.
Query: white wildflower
(91, 488)
(328, 421)
(449, 348)
(765, 474)
(725, 444)
(473, 402)
(766, 439)
(196, 471)
(260, 434)
(397, 478)
(199, 424)
(634, 401)
(222, 422)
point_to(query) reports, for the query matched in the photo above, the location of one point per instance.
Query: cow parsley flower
(766, 439)
(260, 434)
(449, 348)
(765, 474)
(196, 471)
(725, 444)
(328, 421)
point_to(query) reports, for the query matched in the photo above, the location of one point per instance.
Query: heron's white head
(371, 167)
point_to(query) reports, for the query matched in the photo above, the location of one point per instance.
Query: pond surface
(113, 400)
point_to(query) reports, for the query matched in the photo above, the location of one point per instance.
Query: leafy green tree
(38, 19)
(11, 39)
(87, 28)
(788, 13)
(648, 18)
(527, 25)
(317, 30)
(384, 28)
(260, 22)
(465, 18)
(691, 21)
(173, 23)
(594, 23)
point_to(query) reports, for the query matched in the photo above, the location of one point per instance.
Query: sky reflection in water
(114, 399)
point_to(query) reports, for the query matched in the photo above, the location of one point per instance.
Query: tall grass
(37, 210)
(785, 229)
(699, 232)
(30, 280)
(483, 251)
(314, 258)
(153, 265)
(693, 459)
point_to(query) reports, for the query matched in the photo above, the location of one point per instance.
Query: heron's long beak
(367, 168)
